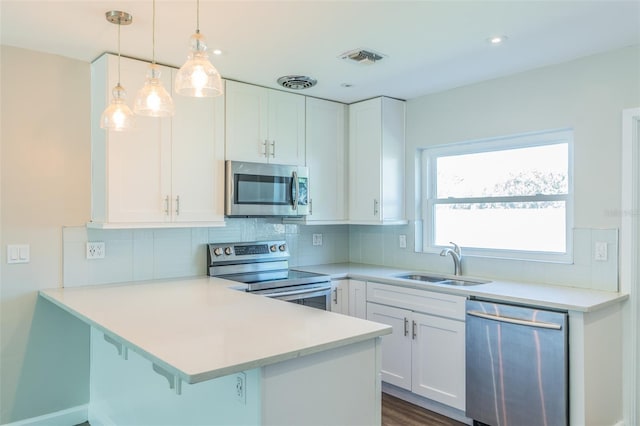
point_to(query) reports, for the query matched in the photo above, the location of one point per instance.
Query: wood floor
(396, 412)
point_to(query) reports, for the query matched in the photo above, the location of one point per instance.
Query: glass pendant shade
(118, 116)
(153, 100)
(198, 77)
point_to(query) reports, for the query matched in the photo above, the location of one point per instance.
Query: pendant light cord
(153, 34)
(198, 17)
(119, 52)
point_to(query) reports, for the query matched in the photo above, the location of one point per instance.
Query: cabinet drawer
(429, 302)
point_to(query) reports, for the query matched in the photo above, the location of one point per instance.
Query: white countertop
(200, 329)
(550, 296)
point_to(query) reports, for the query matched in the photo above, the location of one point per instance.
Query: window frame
(428, 184)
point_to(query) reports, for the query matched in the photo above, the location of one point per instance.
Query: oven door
(314, 295)
(255, 189)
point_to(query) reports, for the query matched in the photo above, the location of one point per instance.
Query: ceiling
(429, 46)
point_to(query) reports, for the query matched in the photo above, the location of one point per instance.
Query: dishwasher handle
(538, 324)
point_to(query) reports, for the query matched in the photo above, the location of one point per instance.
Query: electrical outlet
(95, 250)
(600, 251)
(317, 239)
(241, 388)
(402, 241)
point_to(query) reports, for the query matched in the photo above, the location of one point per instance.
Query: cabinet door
(198, 159)
(396, 347)
(439, 360)
(246, 122)
(138, 162)
(340, 296)
(357, 299)
(286, 128)
(393, 159)
(326, 159)
(365, 140)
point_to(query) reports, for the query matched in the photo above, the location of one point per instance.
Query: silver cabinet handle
(166, 205)
(296, 185)
(177, 205)
(335, 295)
(406, 327)
(375, 207)
(413, 329)
(273, 149)
(310, 207)
(264, 148)
(548, 325)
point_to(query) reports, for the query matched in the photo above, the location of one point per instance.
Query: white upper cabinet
(197, 159)
(165, 172)
(264, 125)
(327, 161)
(377, 161)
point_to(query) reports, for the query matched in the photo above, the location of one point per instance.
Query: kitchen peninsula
(197, 351)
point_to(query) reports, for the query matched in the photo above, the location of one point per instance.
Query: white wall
(45, 185)
(587, 95)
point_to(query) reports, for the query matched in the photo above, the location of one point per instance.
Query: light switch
(18, 253)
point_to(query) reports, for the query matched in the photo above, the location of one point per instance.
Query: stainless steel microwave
(257, 189)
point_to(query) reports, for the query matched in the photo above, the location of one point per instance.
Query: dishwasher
(517, 365)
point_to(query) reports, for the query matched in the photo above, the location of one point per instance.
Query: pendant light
(198, 77)
(153, 100)
(118, 116)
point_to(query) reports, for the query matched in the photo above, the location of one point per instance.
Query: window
(507, 197)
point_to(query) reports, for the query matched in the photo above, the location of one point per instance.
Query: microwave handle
(296, 190)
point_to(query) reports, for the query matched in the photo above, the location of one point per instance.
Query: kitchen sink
(439, 280)
(420, 277)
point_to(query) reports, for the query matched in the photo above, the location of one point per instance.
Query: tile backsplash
(144, 254)
(379, 245)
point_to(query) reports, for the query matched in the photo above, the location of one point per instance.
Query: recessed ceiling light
(217, 52)
(495, 40)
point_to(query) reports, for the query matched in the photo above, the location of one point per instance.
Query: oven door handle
(318, 290)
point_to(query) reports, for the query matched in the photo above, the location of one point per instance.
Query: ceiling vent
(363, 56)
(296, 82)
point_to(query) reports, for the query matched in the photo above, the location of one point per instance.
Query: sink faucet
(456, 254)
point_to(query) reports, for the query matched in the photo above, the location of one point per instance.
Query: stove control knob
(273, 248)
(217, 251)
(282, 247)
(227, 251)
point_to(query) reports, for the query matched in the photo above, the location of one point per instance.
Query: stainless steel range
(264, 267)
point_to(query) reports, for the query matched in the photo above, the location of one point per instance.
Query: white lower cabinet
(349, 297)
(340, 296)
(358, 299)
(396, 348)
(426, 352)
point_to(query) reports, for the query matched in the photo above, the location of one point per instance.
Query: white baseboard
(69, 417)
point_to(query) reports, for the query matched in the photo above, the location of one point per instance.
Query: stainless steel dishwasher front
(516, 365)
